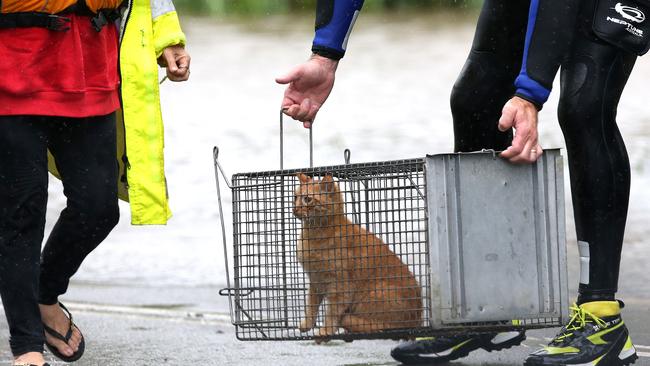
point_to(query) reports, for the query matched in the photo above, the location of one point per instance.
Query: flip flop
(55, 351)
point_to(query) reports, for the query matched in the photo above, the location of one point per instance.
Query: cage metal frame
(287, 229)
(269, 292)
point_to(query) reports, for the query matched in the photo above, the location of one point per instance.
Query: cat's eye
(306, 200)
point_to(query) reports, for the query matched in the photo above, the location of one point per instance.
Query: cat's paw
(323, 335)
(306, 325)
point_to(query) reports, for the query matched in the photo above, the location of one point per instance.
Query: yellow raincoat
(147, 28)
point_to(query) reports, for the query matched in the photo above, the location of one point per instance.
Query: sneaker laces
(579, 318)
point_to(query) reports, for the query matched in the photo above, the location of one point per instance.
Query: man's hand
(521, 115)
(309, 86)
(177, 61)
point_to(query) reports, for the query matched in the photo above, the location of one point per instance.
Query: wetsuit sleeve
(551, 25)
(334, 22)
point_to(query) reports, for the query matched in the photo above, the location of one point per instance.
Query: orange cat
(367, 287)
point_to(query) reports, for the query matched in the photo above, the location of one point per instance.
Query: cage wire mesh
(340, 252)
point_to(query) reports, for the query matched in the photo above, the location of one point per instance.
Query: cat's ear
(303, 178)
(328, 183)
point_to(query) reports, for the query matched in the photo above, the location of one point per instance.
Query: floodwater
(390, 102)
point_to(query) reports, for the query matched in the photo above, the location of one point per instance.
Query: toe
(64, 348)
(75, 340)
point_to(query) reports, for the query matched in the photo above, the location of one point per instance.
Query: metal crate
(484, 239)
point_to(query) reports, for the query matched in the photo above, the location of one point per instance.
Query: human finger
(507, 119)
(305, 107)
(170, 61)
(184, 60)
(290, 77)
(292, 110)
(524, 157)
(521, 137)
(311, 116)
(514, 149)
(179, 75)
(182, 74)
(537, 152)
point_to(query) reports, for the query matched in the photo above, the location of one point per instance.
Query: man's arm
(311, 83)
(169, 40)
(334, 22)
(551, 27)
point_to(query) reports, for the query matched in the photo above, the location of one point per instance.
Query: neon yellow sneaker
(595, 335)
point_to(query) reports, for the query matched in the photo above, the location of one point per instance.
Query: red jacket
(52, 73)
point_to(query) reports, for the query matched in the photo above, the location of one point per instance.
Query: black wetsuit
(517, 50)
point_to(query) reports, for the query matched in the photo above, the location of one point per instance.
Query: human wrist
(328, 52)
(528, 101)
(326, 62)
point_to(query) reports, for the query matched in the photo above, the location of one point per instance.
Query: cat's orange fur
(367, 287)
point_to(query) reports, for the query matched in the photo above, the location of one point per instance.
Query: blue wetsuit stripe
(532, 19)
(526, 86)
(333, 35)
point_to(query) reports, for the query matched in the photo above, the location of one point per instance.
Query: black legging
(85, 151)
(592, 79)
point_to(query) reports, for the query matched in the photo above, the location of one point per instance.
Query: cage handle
(218, 169)
(311, 141)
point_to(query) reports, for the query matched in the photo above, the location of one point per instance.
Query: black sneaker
(595, 335)
(444, 349)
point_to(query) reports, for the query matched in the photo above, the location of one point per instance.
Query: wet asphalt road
(163, 331)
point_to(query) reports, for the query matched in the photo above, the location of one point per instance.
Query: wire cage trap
(437, 245)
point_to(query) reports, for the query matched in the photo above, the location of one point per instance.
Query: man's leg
(486, 82)
(23, 201)
(85, 153)
(483, 87)
(592, 82)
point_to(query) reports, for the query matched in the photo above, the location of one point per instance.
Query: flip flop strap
(58, 335)
(68, 313)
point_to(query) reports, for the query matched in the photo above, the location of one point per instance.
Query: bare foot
(31, 358)
(54, 317)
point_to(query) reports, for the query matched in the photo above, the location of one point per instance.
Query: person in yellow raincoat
(79, 97)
